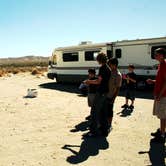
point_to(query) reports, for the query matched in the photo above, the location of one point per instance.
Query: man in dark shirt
(99, 123)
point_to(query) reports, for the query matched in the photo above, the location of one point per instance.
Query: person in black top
(99, 122)
(130, 78)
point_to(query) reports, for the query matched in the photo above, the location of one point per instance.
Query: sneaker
(88, 117)
(131, 107)
(159, 139)
(74, 130)
(157, 133)
(124, 106)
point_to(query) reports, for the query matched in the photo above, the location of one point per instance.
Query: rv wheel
(58, 81)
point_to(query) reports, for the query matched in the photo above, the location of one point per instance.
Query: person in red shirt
(159, 108)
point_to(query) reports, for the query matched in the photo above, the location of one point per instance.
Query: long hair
(101, 58)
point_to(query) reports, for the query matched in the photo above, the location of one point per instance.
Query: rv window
(109, 54)
(118, 53)
(49, 63)
(68, 57)
(153, 49)
(91, 55)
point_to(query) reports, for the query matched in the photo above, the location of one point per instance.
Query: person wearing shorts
(159, 107)
(130, 78)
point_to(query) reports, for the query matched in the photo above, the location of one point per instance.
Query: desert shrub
(7, 70)
(16, 71)
(35, 71)
(2, 73)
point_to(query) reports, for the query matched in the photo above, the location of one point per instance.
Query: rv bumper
(52, 75)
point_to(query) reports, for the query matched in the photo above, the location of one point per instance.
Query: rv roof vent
(85, 42)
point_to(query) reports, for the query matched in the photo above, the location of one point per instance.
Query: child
(159, 108)
(130, 87)
(83, 88)
(91, 88)
(115, 82)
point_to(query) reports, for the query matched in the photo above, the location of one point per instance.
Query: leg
(127, 100)
(162, 126)
(104, 122)
(127, 96)
(160, 135)
(132, 102)
(110, 113)
(126, 103)
(95, 114)
(132, 98)
(110, 120)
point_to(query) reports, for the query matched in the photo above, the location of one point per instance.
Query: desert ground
(39, 131)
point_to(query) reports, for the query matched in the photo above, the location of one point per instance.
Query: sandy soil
(36, 131)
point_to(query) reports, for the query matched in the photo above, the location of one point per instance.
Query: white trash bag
(32, 93)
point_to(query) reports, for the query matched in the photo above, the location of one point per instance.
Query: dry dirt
(36, 131)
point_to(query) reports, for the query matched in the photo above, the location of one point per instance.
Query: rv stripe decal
(120, 67)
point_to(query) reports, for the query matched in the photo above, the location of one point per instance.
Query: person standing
(91, 89)
(159, 107)
(114, 85)
(99, 121)
(130, 87)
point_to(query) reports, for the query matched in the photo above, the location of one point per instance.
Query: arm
(131, 79)
(94, 82)
(116, 91)
(150, 81)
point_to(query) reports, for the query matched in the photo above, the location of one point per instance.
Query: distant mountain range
(23, 60)
(31, 58)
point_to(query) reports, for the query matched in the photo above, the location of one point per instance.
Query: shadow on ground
(145, 94)
(156, 154)
(89, 147)
(83, 126)
(67, 87)
(73, 88)
(125, 112)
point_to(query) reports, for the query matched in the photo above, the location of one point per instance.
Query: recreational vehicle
(70, 64)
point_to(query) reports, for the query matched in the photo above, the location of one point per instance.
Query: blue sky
(36, 27)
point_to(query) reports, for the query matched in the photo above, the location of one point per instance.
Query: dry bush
(22, 70)
(39, 70)
(15, 71)
(2, 72)
(36, 72)
(8, 70)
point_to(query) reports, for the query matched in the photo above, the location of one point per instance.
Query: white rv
(70, 64)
